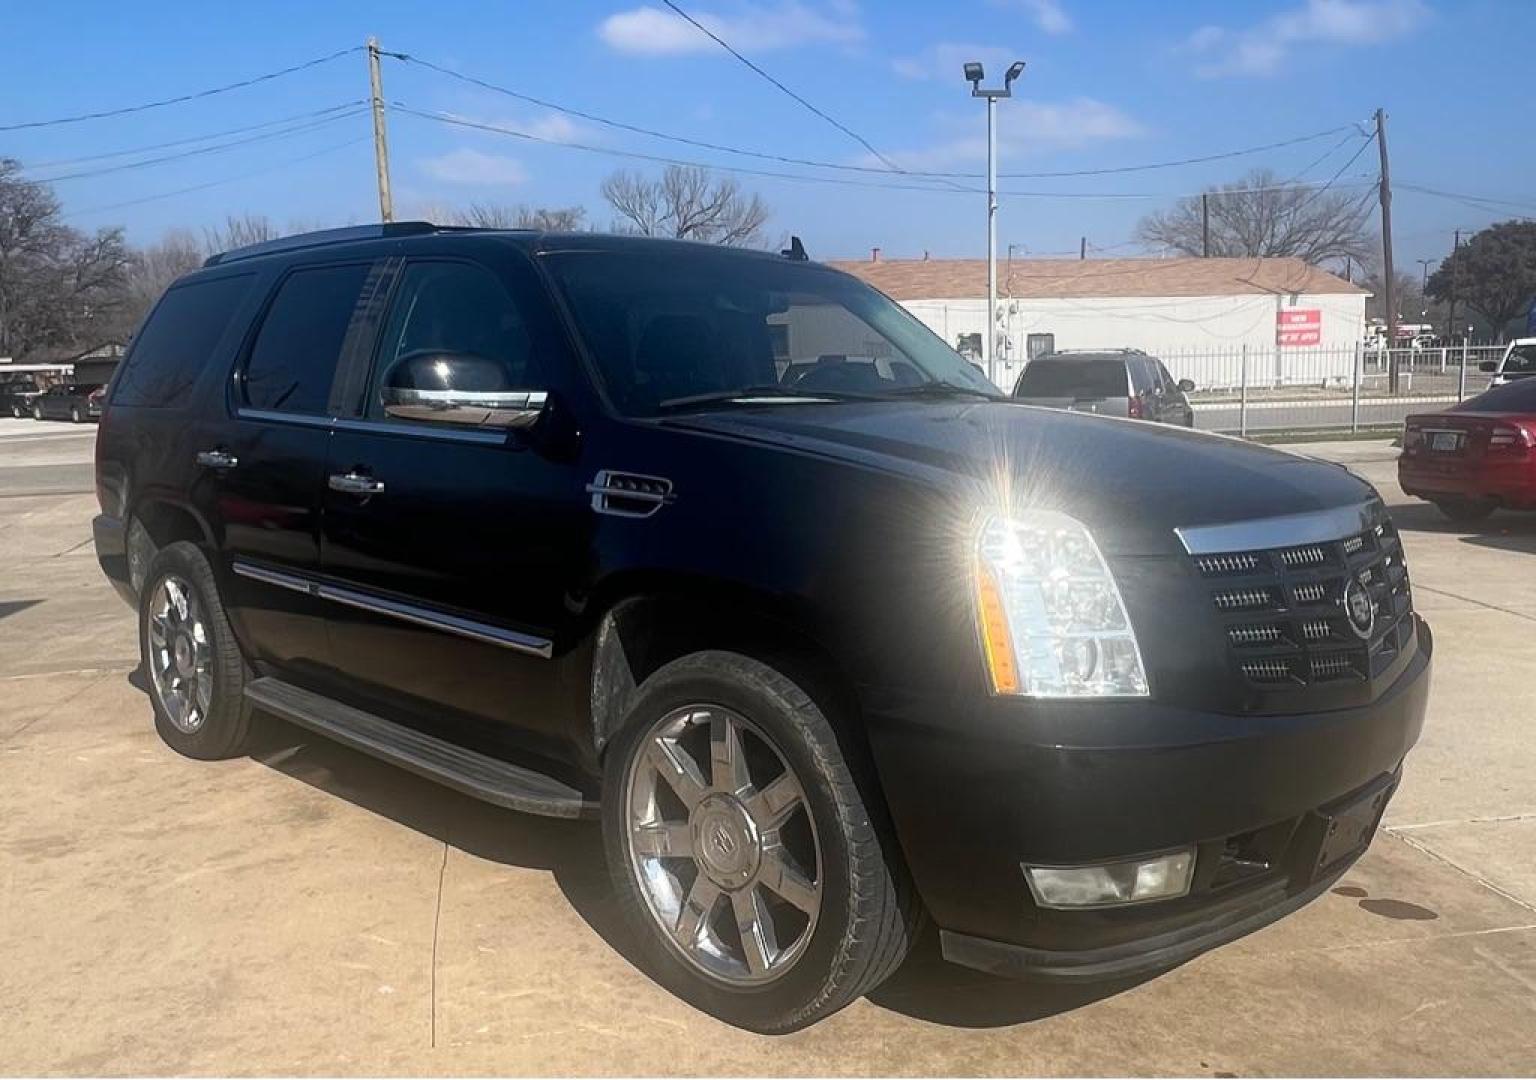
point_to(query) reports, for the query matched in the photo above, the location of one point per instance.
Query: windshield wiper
(748, 392)
(944, 389)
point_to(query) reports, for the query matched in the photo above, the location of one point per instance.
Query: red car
(1477, 457)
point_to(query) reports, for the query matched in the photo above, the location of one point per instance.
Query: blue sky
(1110, 83)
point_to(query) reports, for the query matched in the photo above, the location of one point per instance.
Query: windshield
(1079, 377)
(1514, 397)
(1521, 360)
(671, 329)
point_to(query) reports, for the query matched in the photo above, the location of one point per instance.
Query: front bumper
(976, 795)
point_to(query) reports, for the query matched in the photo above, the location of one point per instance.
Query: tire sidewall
(771, 1007)
(223, 730)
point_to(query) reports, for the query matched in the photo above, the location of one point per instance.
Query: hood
(1132, 483)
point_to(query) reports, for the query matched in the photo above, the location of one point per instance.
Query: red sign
(1298, 326)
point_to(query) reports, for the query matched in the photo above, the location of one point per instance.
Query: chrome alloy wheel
(722, 844)
(180, 654)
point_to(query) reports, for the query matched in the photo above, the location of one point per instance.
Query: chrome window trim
(1287, 530)
(275, 417)
(422, 430)
(411, 613)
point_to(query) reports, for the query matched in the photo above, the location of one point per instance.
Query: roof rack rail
(320, 238)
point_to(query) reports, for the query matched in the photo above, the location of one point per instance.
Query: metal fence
(1248, 389)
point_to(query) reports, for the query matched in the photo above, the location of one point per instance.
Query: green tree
(1494, 273)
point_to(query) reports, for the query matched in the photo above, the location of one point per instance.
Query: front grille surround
(1283, 609)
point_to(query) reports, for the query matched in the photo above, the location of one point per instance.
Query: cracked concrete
(309, 910)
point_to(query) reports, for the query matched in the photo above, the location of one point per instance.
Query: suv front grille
(1285, 615)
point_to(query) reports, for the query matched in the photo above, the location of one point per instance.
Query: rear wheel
(37, 412)
(74, 414)
(759, 884)
(196, 673)
(1466, 509)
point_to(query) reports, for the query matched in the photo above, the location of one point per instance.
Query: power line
(497, 129)
(785, 159)
(1477, 202)
(216, 148)
(274, 167)
(64, 162)
(1332, 179)
(196, 95)
(718, 40)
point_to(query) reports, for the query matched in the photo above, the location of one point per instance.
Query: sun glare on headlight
(1052, 620)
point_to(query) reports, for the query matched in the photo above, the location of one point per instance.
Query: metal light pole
(974, 73)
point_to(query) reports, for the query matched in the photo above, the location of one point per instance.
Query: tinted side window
(453, 334)
(294, 357)
(172, 347)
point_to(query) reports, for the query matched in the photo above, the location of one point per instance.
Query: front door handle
(355, 483)
(216, 459)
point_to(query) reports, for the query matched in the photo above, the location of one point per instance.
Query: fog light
(1134, 882)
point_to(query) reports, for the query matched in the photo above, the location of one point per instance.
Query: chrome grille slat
(1283, 616)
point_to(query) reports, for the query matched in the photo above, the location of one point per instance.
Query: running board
(477, 775)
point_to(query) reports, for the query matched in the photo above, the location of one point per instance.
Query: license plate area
(1347, 828)
(1444, 442)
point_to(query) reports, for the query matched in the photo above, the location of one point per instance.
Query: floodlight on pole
(974, 73)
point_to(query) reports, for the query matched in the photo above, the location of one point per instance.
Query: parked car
(1477, 457)
(1112, 382)
(534, 516)
(1518, 362)
(17, 389)
(66, 401)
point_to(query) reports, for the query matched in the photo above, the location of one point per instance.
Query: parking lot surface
(308, 910)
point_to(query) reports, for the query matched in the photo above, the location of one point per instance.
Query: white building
(1280, 320)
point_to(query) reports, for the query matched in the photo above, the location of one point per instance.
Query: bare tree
(238, 231)
(499, 216)
(59, 287)
(1263, 215)
(152, 269)
(687, 202)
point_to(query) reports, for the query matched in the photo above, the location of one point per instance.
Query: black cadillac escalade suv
(728, 550)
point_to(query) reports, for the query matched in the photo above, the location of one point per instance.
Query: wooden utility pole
(1450, 318)
(380, 137)
(1205, 226)
(1389, 283)
(1082, 249)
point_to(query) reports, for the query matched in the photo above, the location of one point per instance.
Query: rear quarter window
(177, 341)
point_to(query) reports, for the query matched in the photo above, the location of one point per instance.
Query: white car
(1518, 362)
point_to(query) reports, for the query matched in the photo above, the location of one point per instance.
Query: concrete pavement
(309, 910)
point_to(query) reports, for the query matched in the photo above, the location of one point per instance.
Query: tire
(37, 412)
(74, 414)
(1465, 510)
(207, 716)
(828, 952)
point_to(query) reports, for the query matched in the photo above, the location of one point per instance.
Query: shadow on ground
(1506, 530)
(926, 987)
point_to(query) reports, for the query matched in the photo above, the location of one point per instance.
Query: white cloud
(751, 27)
(474, 167)
(1024, 127)
(943, 61)
(1049, 16)
(1264, 48)
(552, 126)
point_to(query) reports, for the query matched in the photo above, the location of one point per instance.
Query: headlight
(1052, 621)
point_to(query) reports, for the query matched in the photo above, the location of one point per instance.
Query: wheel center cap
(182, 654)
(725, 841)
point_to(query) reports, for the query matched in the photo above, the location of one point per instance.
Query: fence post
(1461, 380)
(1242, 391)
(1354, 404)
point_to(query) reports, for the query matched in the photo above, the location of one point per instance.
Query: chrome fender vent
(623, 494)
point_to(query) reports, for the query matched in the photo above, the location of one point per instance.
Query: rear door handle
(216, 459)
(355, 483)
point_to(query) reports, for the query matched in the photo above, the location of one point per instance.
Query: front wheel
(74, 414)
(1465, 510)
(761, 886)
(37, 412)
